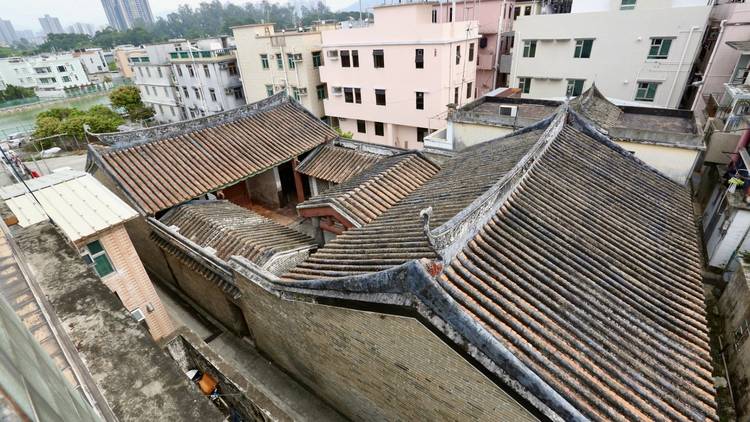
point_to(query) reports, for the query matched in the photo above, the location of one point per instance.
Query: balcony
(200, 55)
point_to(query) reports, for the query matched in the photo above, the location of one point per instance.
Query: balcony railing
(200, 54)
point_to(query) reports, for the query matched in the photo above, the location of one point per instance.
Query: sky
(24, 14)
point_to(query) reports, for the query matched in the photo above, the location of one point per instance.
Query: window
(469, 91)
(317, 59)
(659, 48)
(355, 58)
(529, 48)
(279, 62)
(166, 91)
(379, 131)
(458, 54)
(264, 61)
(516, 13)
(527, 11)
(627, 4)
(172, 110)
(148, 72)
(185, 92)
(583, 49)
(349, 95)
(646, 91)
(232, 69)
(189, 69)
(290, 60)
(419, 58)
(345, 60)
(455, 95)
(420, 100)
(322, 91)
(66, 78)
(380, 97)
(575, 87)
(238, 94)
(206, 71)
(357, 96)
(197, 93)
(361, 126)
(421, 133)
(269, 90)
(96, 255)
(295, 93)
(434, 15)
(61, 68)
(471, 52)
(450, 14)
(525, 85)
(161, 109)
(212, 93)
(158, 70)
(378, 58)
(179, 70)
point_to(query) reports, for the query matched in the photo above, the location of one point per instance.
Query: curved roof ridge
(450, 237)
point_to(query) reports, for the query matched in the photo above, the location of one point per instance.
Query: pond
(24, 120)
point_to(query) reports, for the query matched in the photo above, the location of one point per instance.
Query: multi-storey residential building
(635, 51)
(93, 60)
(495, 19)
(207, 78)
(82, 28)
(122, 54)
(49, 75)
(152, 74)
(8, 34)
(270, 62)
(51, 25)
(390, 83)
(17, 71)
(125, 14)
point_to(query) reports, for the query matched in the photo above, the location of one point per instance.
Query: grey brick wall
(373, 366)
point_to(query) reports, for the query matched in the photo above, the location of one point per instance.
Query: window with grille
(378, 57)
(525, 85)
(659, 48)
(529, 48)
(646, 91)
(96, 256)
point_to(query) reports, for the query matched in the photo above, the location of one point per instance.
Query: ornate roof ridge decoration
(119, 140)
(449, 238)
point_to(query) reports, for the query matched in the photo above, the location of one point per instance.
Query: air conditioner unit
(303, 91)
(228, 91)
(337, 90)
(297, 57)
(281, 83)
(223, 65)
(137, 314)
(508, 111)
(332, 54)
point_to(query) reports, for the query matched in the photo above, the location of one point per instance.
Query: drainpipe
(710, 63)
(682, 60)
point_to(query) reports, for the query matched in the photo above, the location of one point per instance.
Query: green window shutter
(102, 265)
(95, 247)
(665, 44)
(651, 91)
(587, 46)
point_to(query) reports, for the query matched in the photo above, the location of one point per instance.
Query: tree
(58, 121)
(13, 92)
(129, 98)
(65, 42)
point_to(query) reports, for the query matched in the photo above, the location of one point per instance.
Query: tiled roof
(336, 163)
(577, 264)
(232, 230)
(202, 155)
(369, 194)
(396, 236)
(594, 105)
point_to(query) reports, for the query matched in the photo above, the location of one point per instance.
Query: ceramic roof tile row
(162, 173)
(594, 105)
(371, 193)
(591, 275)
(336, 164)
(232, 230)
(396, 236)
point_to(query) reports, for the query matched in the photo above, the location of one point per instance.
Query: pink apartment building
(391, 83)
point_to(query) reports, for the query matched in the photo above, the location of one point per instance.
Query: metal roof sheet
(81, 206)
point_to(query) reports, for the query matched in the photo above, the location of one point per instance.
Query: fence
(18, 102)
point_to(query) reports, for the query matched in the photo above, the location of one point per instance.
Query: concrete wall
(157, 91)
(130, 281)
(372, 366)
(265, 188)
(254, 40)
(727, 237)
(467, 134)
(218, 80)
(734, 307)
(618, 61)
(675, 163)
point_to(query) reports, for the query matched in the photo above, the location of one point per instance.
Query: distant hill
(366, 4)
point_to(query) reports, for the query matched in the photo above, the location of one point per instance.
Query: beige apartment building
(270, 62)
(390, 83)
(122, 55)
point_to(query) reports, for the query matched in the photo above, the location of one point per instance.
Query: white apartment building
(207, 78)
(271, 61)
(49, 75)
(637, 51)
(93, 60)
(152, 74)
(390, 83)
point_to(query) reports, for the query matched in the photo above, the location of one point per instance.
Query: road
(47, 165)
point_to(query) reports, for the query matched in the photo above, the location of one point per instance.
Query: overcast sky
(24, 14)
